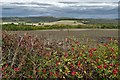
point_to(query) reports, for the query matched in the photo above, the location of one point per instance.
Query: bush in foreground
(32, 57)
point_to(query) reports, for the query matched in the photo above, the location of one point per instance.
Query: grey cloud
(54, 10)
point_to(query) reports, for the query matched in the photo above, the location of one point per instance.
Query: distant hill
(53, 19)
(30, 19)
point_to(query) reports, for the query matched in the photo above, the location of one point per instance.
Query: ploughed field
(96, 34)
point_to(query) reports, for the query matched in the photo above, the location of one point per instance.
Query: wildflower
(73, 73)
(99, 67)
(16, 69)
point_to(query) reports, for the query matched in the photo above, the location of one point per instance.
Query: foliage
(13, 27)
(28, 56)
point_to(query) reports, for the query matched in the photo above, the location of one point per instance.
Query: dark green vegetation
(84, 23)
(14, 27)
(30, 19)
(52, 19)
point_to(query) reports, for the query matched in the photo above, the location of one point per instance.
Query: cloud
(62, 9)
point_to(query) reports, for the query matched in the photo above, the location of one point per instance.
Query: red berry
(116, 65)
(44, 71)
(106, 44)
(6, 65)
(66, 55)
(4, 73)
(110, 39)
(57, 63)
(99, 67)
(73, 73)
(115, 71)
(97, 60)
(72, 49)
(111, 64)
(51, 73)
(77, 43)
(105, 66)
(3, 68)
(79, 63)
(29, 76)
(91, 54)
(94, 49)
(16, 69)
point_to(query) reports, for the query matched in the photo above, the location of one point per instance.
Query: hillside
(53, 19)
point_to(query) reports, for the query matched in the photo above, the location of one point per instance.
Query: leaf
(48, 48)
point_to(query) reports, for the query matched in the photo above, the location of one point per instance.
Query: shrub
(28, 56)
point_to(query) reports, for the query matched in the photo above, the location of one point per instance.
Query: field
(95, 34)
(22, 24)
(52, 48)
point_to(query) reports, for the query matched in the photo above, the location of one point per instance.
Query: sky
(60, 8)
(59, 0)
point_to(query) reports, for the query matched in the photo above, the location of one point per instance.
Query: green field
(45, 23)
